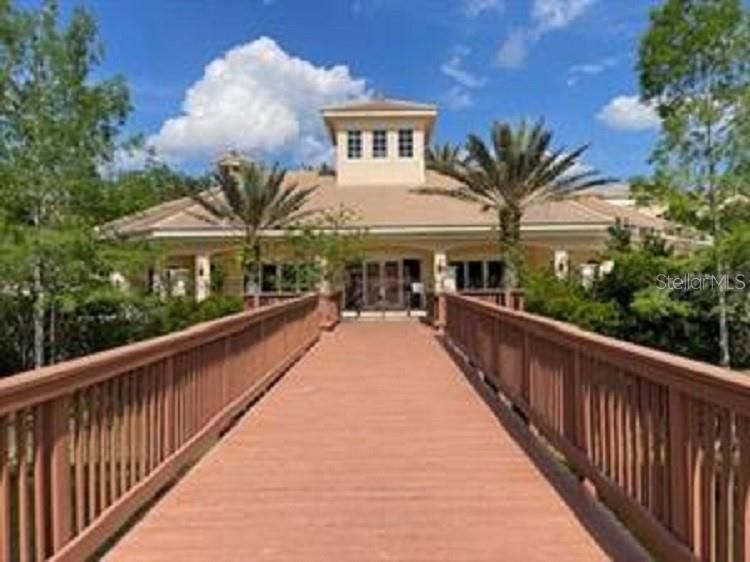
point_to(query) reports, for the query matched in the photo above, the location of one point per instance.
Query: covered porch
(394, 273)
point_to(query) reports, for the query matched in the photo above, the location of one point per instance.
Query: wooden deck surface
(373, 447)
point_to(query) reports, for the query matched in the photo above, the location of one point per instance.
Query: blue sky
(272, 62)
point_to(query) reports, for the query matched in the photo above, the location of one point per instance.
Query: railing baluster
(678, 491)
(24, 508)
(60, 480)
(41, 439)
(5, 493)
(104, 430)
(80, 462)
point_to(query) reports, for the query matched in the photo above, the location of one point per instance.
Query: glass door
(372, 284)
(391, 281)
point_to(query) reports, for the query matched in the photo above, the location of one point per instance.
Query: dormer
(380, 141)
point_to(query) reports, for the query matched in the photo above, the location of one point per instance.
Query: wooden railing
(435, 302)
(85, 444)
(664, 440)
(265, 299)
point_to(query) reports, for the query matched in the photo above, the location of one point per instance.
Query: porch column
(588, 273)
(439, 273)
(159, 281)
(119, 280)
(324, 286)
(562, 264)
(202, 277)
(440, 270)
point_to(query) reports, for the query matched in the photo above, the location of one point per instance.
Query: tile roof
(394, 207)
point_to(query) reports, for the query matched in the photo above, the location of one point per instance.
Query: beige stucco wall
(390, 170)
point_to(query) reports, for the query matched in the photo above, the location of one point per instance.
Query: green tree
(125, 192)
(694, 65)
(443, 155)
(518, 167)
(327, 245)
(58, 127)
(258, 200)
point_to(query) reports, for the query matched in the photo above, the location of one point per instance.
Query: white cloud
(458, 98)
(577, 71)
(474, 8)
(514, 50)
(546, 16)
(556, 14)
(257, 99)
(454, 69)
(459, 95)
(629, 113)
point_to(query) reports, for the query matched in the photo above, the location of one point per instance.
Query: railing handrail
(37, 385)
(673, 369)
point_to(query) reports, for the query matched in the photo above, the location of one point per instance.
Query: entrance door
(391, 282)
(385, 285)
(413, 287)
(372, 284)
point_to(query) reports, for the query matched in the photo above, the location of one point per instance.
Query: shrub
(102, 320)
(569, 301)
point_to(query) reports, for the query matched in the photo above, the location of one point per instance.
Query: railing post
(5, 518)
(441, 311)
(742, 546)
(60, 489)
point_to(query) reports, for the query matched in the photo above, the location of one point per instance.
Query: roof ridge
(577, 201)
(621, 210)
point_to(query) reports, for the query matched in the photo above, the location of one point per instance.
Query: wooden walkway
(374, 447)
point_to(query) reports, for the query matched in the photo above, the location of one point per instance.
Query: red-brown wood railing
(664, 440)
(86, 443)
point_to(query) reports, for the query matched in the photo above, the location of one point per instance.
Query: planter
(329, 309)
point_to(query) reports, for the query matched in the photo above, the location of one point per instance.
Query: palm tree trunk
(257, 272)
(510, 241)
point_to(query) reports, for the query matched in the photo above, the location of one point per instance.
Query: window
(495, 271)
(478, 275)
(269, 278)
(458, 272)
(379, 144)
(405, 143)
(354, 144)
(475, 275)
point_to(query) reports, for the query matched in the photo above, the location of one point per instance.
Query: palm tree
(443, 155)
(260, 200)
(518, 168)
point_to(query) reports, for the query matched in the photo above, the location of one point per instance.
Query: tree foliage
(327, 244)
(694, 67)
(258, 200)
(630, 302)
(517, 168)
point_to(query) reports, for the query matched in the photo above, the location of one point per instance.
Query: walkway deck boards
(373, 447)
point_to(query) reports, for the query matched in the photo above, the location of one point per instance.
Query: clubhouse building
(416, 244)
